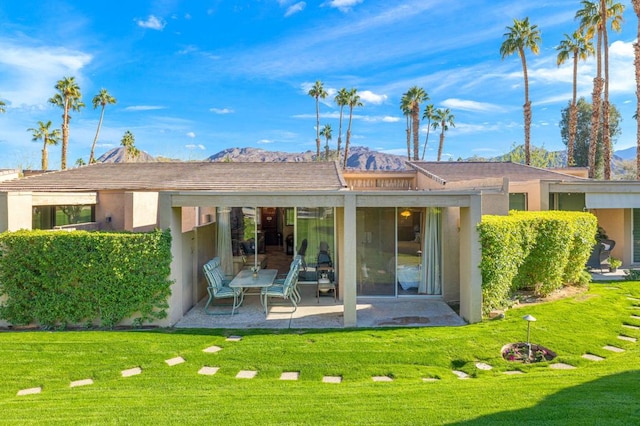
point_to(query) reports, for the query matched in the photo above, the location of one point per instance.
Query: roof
(201, 176)
(460, 171)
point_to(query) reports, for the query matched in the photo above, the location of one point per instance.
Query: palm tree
(128, 142)
(69, 99)
(636, 49)
(406, 111)
(2, 107)
(579, 47)
(442, 118)
(326, 132)
(342, 98)
(411, 101)
(428, 115)
(49, 137)
(103, 98)
(521, 36)
(318, 92)
(354, 101)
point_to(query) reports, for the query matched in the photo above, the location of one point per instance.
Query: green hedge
(540, 251)
(59, 278)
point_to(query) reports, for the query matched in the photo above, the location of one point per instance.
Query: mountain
(626, 154)
(117, 155)
(360, 158)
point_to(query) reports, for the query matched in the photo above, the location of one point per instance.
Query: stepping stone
(246, 374)
(208, 371)
(460, 374)
(29, 391)
(513, 372)
(562, 366)
(483, 366)
(174, 361)
(332, 379)
(382, 379)
(628, 339)
(430, 379)
(131, 372)
(612, 288)
(290, 375)
(632, 327)
(234, 338)
(592, 357)
(635, 299)
(212, 349)
(635, 317)
(84, 382)
(613, 348)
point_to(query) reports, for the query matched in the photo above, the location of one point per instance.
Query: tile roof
(202, 176)
(460, 171)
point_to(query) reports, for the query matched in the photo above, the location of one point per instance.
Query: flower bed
(519, 352)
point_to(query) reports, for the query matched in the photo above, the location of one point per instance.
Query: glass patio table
(246, 281)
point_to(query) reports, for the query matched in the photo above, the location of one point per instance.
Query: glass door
(376, 264)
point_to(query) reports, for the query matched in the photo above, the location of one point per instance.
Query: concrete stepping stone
(208, 371)
(131, 372)
(635, 299)
(627, 338)
(430, 379)
(562, 366)
(483, 366)
(246, 374)
(234, 338)
(30, 391)
(332, 379)
(460, 374)
(290, 375)
(592, 357)
(174, 361)
(613, 348)
(635, 317)
(632, 327)
(513, 372)
(382, 379)
(84, 382)
(212, 349)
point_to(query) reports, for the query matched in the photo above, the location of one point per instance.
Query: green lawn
(605, 392)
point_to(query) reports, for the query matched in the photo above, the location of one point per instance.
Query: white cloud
(222, 110)
(293, 9)
(264, 141)
(468, 105)
(152, 22)
(368, 96)
(342, 5)
(191, 134)
(194, 146)
(143, 108)
(390, 119)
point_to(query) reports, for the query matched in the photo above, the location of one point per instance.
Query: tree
(406, 111)
(103, 98)
(354, 101)
(583, 134)
(428, 115)
(80, 162)
(636, 63)
(342, 99)
(128, 142)
(49, 137)
(579, 47)
(442, 118)
(318, 92)
(326, 133)
(2, 107)
(518, 38)
(69, 98)
(540, 157)
(411, 101)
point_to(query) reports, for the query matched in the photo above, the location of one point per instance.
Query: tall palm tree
(103, 98)
(69, 98)
(341, 98)
(412, 100)
(49, 137)
(406, 111)
(354, 101)
(428, 115)
(326, 133)
(318, 92)
(442, 118)
(636, 62)
(2, 107)
(128, 142)
(518, 38)
(579, 47)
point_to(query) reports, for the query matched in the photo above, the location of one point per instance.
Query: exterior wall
(9, 175)
(110, 210)
(495, 203)
(533, 191)
(424, 182)
(140, 211)
(451, 255)
(15, 211)
(614, 224)
(205, 249)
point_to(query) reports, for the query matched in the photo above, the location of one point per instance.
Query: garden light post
(529, 319)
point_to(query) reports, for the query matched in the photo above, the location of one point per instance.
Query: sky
(193, 78)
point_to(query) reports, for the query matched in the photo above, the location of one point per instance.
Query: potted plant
(614, 264)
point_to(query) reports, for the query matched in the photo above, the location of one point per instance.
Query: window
(518, 201)
(567, 202)
(48, 217)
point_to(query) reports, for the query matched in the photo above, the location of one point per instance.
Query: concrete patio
(325, 313)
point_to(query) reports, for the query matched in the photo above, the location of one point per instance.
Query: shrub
(59, 278)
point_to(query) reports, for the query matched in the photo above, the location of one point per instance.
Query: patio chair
(325, 273)
(297, 261)
(285, 290)
(218, 288)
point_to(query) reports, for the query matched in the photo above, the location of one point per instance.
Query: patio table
(245, 279)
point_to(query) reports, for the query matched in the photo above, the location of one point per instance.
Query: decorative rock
(628, 339)
(84, 382)
(29, 391)
(613, 348)
(496, 314)
(561, 366)
(460, 374)
(174, 361)
(332, 379)
(382, 379)
(234, 338)
(483, 366)
(131, 372)
(212, 349)
(592, 357)
(246, 374)
(208, 371)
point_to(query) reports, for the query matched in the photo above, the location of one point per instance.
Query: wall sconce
(405, 213)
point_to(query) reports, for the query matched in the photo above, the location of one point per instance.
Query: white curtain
(431, 253)
(224, 240)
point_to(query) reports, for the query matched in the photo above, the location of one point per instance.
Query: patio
(402, 312)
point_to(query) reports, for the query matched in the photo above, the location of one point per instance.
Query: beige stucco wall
(613, 222)
(451, 254)
(110, 210)
(140, 211)
(15, 211)
(532, 189)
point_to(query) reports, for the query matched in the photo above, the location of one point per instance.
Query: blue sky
(195, 77)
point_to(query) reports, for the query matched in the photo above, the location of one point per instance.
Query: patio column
(349, 269)
(171, 218)
(470, 257)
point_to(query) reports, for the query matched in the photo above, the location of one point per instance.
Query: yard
(602, 392)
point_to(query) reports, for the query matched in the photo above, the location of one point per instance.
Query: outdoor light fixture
(529, 319)
(405, 213)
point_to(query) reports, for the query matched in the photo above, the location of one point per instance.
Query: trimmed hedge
(540, 251)
(59, 278)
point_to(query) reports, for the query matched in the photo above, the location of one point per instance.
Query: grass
(605, 392)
